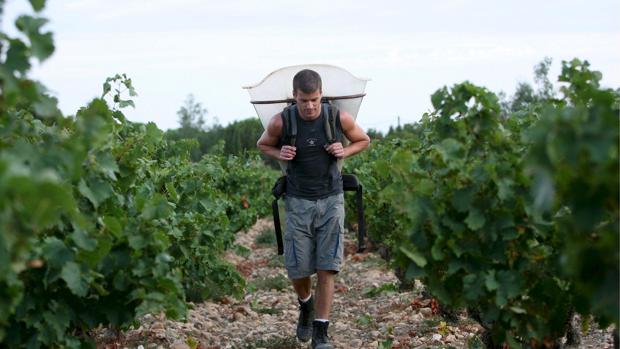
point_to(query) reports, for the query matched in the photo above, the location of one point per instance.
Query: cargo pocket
(338, 250)
(290, 254)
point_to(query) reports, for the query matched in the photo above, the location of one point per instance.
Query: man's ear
(294, 93)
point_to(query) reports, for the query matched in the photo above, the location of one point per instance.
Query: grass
(191, 342)
(264, 310)
(266, 237)
(374, 261)
(431, 325)
(365, 320)
(241, 251)
(385, 288)
(270, 311)
(278, 282)
(386, 344)
(475, 343)
(432, 322)
(276, 262)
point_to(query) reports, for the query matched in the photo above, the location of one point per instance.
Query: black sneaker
(304, 324)
(320, 340)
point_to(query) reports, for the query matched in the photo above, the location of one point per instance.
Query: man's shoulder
(346, 115)
(346, 120)
(275, 124)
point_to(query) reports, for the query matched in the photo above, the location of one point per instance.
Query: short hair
(307, 81)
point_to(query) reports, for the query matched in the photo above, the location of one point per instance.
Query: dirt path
(368, 311)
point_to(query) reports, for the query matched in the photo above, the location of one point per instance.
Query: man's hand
(336, 149)
(287, 152)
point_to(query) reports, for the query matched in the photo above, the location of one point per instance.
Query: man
(313, 240)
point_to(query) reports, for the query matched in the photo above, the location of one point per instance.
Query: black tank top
(313, 173)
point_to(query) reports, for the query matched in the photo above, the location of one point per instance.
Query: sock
(305, 300)
(322, 320)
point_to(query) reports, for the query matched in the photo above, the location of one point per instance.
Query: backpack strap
(289, 126)
(333, 129)
(292, 117)
(285, 127)
(330, 122)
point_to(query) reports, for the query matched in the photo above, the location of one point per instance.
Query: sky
(408, 49)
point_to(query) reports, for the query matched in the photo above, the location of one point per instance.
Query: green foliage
(470, 235)
(372, 169)
(278, 282)
(474, 343)
(266, 237)
(101, 219)
(191, 115)
(122, 225)
(264, 310)
(526, 99)
(541, 77)
(241, 250)
(238, 138)
(574, 160)
(276, 261)
(365, 320)
(386, 344)
(513, 216)
(385, 288)
(374, 134)
(122, 85)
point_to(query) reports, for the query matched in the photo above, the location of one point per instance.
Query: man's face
(308, 104)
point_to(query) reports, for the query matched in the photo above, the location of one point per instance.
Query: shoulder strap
(285, 126)
(333, 129)
(289, 132)
(292, 116)
(289, 126)
(330, 122)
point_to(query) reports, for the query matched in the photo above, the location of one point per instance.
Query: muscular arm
(268, 141)
(358, 138)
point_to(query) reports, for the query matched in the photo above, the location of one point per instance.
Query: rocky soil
(368, 312)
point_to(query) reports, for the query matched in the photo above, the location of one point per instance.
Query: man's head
(307, 81)
(307, 90)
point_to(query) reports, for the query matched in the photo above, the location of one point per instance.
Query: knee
(326, 274)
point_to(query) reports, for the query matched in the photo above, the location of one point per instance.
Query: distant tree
(541, 77)
(192, 114)
(402, 131)
(235, 138)
(374, 134)
(525, 96)
(239, 136)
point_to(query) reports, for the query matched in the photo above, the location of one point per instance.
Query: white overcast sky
(407, 48)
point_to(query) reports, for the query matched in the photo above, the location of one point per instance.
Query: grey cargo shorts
(314, 236)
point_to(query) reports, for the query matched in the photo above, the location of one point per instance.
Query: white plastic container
(275, 91)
